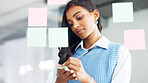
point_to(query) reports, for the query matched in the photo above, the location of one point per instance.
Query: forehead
(72, 10)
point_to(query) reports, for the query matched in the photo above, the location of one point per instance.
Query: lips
(79, 31)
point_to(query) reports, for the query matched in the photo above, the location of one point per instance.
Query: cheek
(73, 30)
(89, 22)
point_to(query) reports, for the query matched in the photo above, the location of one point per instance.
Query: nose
(76, 25)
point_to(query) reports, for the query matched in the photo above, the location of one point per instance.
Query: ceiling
(14, 13)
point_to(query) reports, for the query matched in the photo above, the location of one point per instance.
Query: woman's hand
(76, 65)
(64, 75)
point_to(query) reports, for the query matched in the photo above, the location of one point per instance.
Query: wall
(15, 53)
(114, 32)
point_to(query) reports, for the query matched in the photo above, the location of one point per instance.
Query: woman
(91, 57)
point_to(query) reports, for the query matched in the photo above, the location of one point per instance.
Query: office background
(21, 64)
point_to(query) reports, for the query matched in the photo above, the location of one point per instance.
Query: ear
(96, 14)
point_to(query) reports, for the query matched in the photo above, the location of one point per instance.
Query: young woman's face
(81, 21)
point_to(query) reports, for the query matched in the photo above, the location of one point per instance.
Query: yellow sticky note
(58, 37)
(122, 12)
(36, 37)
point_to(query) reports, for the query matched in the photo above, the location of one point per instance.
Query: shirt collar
(102, 42)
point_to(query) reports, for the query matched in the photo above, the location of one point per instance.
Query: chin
(83, 37)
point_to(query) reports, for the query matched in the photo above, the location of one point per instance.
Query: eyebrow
(75, 14)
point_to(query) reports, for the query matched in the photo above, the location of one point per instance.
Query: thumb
(59, 65)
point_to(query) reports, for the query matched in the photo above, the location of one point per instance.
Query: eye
(71, 24)
(79, 18)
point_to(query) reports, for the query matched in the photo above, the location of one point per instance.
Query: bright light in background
(46, 65)
(24, 69)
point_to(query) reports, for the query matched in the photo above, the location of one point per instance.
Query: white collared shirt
(122, 73)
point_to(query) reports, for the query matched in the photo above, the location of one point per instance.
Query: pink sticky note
(56, 2)
(37, 17)
(134, 39)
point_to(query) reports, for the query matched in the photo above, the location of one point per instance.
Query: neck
(91, 39)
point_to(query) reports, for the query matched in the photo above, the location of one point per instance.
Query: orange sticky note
(37, 17)
(134, 39)
(56, 2)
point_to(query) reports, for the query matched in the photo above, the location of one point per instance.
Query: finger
(68, 73)
(74, 58)
(59, 70)
(74, 67)
(73, 61)
(71, 77)
(62, 71)
(59, 65)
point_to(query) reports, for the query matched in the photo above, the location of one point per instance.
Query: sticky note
(122, 12)
(36, 37)
(58, 37)
(134, 39)
(64, 67)
(37, 17)
(56, 2)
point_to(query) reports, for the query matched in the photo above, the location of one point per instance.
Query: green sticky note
(64, 67)
(122, 12)
(58, 37)
(36, 37)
